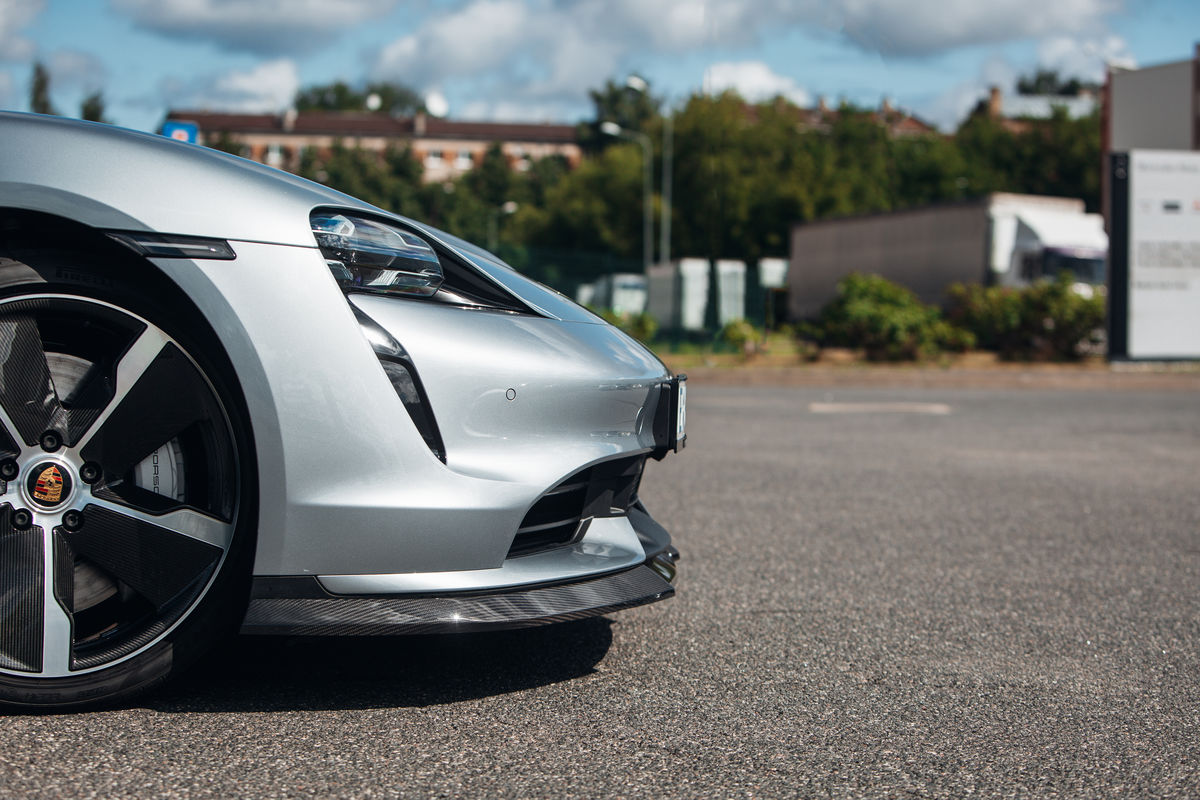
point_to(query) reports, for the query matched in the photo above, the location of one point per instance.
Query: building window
(463, 160)
(433, 158)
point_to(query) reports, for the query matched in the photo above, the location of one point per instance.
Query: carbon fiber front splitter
(340, 615)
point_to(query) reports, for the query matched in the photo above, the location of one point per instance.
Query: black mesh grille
(601, 490)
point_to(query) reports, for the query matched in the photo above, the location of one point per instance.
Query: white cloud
(1072, 57)
(15, 15)
(755, 81)
(76, 69)
(547, 53)
(509, 111)
(482, 35)
(949, 108)
(529, 50)
(256, 26)
(1084, 58)
(269, 86)
(922, 27)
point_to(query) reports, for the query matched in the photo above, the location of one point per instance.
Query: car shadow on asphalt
(268, 673)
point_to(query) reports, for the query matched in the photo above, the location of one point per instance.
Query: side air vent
(601, 490)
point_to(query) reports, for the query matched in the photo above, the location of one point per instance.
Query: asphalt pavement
(885, 592)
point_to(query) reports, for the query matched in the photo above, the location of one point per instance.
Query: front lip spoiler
(332, 615)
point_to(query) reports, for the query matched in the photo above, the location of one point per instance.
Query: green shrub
(993, 313)
(640, 326)
(886, 321)
(1047, 320)
(740, 335)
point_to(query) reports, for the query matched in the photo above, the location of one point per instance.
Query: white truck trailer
(1000, 239)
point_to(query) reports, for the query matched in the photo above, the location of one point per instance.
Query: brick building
(445, 148)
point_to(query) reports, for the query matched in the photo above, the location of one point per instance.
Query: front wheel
(122, 504)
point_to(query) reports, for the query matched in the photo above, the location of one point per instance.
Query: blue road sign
(181, 131)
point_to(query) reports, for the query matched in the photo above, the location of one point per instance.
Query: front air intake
(557, 518)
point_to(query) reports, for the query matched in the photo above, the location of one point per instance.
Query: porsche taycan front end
(232, 397)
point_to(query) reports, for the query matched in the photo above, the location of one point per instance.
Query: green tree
(1049, 81)
(453, 207)
(632, 109)
(1064, 156)
(992, 154)
(781, 174)
(39, 90)
(92, 107)
(390, 180)
(543, 175)
(1059, 156)
(858, 150)
(712, 188)
(225, 142)
(927, 169)
(596, 208)
(394, 98)
(492, 179)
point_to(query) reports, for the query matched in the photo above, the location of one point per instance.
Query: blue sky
(535, 59)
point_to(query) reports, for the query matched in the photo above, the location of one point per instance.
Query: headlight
(370, 256)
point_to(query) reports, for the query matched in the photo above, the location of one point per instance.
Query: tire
(128, 510)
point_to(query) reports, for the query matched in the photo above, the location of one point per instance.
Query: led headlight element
(370, 256)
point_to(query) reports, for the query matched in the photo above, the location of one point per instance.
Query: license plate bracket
(670, 419)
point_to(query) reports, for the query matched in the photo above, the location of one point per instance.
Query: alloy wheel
(123, 500)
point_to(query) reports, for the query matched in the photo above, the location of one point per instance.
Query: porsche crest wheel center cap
(48, 484)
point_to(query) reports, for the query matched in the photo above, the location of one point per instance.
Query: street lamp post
(664, 247)
(639, 84)
(613, 129)
(507, 208)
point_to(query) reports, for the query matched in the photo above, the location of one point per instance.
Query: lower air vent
(601, 490)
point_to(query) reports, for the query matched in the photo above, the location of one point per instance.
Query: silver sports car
(229, 396)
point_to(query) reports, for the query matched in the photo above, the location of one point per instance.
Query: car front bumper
(390, 616)
(303, 606)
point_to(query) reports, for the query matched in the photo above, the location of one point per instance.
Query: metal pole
(647, 202)
(664, 247)
(613, 129)
(493, 238)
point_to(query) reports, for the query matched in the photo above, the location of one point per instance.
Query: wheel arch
(45, 244)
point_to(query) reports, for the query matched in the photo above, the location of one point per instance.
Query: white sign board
(1164, 254)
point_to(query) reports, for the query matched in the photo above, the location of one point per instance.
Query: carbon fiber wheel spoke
(26, 388)
(130, 371)
(158, 563)
(8, 445)
(22, 595)
(185, 522)
(159, 394)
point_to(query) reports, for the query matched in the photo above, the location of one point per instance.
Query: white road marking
(879, 408)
